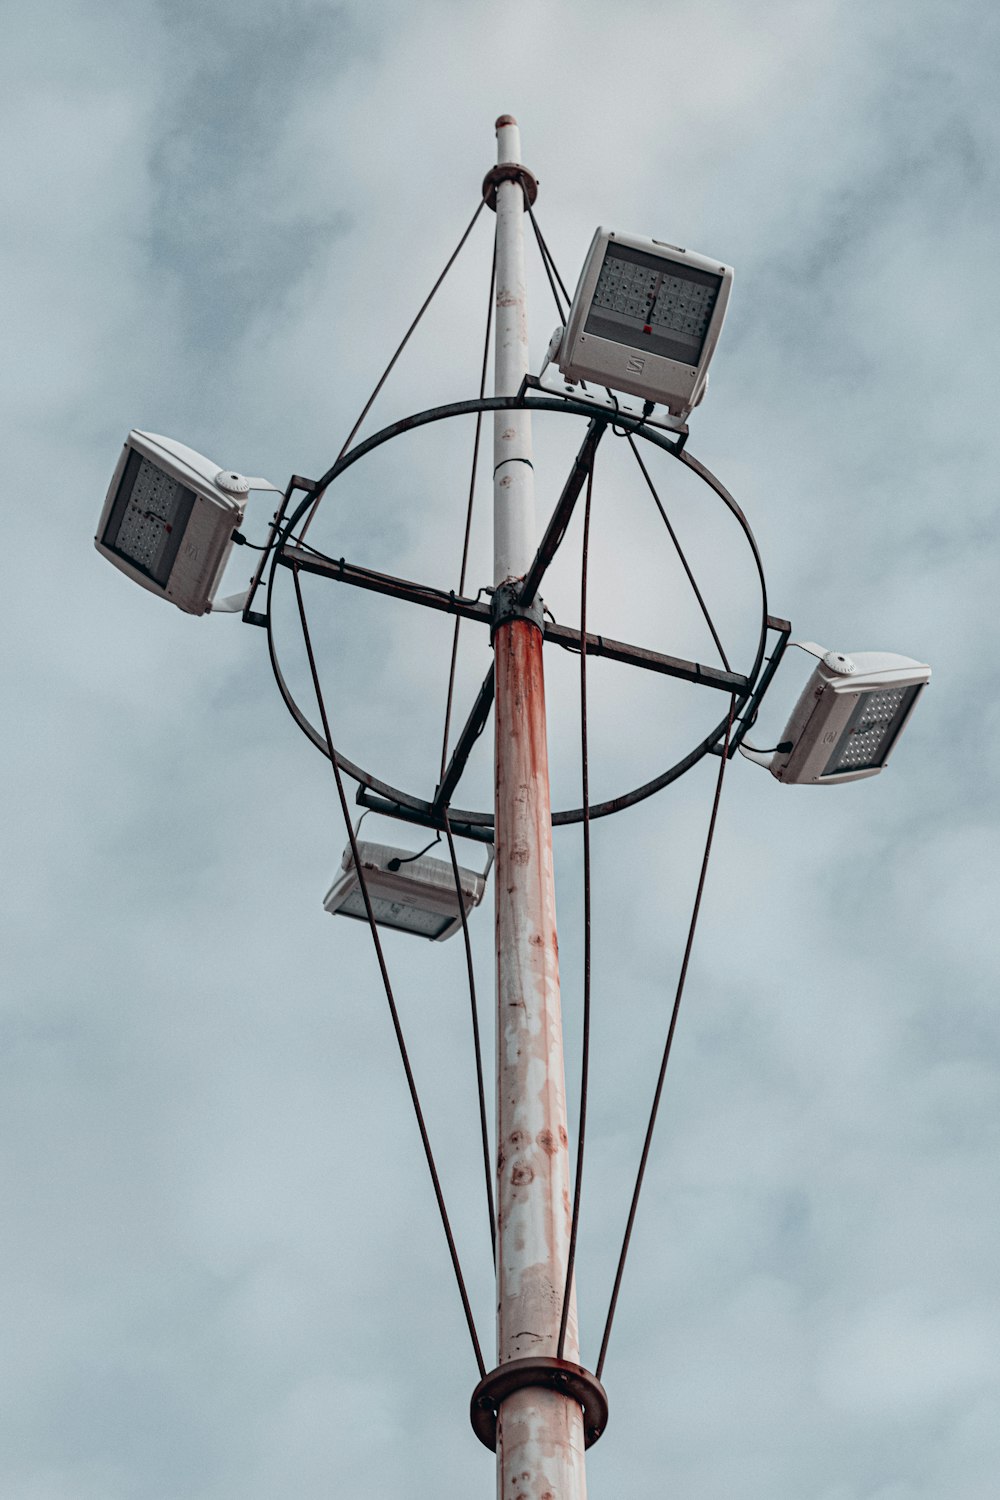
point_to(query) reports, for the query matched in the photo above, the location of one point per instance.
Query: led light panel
(148, 518)
(870, 731)
(653, 304)
(398, 914)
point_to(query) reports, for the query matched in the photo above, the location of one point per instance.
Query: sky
(222, 1275)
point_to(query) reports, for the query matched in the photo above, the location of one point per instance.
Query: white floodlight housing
(169, 518)
(849, 718)
(646, 318)
(418, 895)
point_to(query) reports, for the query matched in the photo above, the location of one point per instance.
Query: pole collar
(559, 1375)
(509, 171)
(505, 604)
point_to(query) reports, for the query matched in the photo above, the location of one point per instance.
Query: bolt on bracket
(505, 605)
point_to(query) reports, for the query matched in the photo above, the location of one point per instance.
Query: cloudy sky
(223, 1277)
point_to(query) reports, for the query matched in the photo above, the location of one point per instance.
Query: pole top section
(508, 139)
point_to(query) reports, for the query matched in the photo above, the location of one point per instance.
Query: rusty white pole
(540, 1440)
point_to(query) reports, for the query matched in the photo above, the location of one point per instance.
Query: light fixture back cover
(419, 897)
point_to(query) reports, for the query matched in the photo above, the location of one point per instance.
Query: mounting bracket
(505, 605)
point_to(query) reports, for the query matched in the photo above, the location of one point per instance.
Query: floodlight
(849, 717)
(410, 894)
(169, 517)
(646, 318)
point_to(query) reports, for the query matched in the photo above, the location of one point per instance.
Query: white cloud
(223, 1271)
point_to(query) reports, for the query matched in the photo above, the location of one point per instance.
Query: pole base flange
(559, 1375)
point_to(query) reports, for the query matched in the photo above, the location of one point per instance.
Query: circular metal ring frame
(521, 402)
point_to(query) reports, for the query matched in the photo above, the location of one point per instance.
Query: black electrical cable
(393, 1012)
(403, 343)
(474, 1007)
(680, 552)
(666, 1050)
(585, 1051)
(394, 864)
(618, 431)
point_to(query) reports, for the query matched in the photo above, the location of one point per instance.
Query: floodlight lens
(148, 518)
(652, 303)
(396, 914)
(870, 731)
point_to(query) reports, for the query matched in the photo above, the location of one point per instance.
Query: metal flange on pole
(540, 1436)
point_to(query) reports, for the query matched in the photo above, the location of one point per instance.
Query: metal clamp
(509, 171)
(558, 1375)
(505, 604)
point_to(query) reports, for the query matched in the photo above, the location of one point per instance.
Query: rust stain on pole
(541, 1432)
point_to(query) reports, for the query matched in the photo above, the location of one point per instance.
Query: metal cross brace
(526, 602)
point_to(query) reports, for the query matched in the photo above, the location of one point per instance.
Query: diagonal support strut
(474, 726)
(556, 529)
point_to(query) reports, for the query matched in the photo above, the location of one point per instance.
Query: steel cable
(393, 1012)
(680, 551)
(468, 515)
(390, 366)
(551, 269)
(473, 1002)
(724, 761)
(476, 1042)
(585, 1051)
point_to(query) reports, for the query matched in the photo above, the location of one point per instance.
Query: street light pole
(540, 1438)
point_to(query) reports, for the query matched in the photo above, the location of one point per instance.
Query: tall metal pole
(540, 1439)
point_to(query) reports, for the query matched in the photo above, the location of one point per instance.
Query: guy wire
(585, 1058)
(666, 1050)
(389, 367)
(393, 1012)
